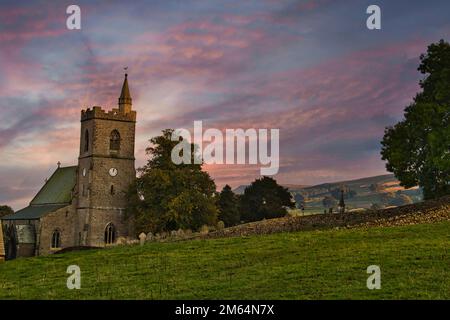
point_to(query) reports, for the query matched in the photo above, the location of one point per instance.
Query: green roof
(55, 194)
(58, 189)
(33, 212)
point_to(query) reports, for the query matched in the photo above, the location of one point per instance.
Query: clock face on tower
(113, 172)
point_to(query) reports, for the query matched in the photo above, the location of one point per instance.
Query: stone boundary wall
(425, 212)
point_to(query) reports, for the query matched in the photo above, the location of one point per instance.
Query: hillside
(384, 190)
(362, 182)
(319, 264)
(292, 187)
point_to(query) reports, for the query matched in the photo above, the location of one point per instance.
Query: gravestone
(180, 233)
(142, 238)
(121, 241)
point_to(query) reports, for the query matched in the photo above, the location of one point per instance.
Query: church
(83, 205)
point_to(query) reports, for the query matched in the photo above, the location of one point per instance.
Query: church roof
(125, 96)
(58, 189)
(55, 194)
(34, 212)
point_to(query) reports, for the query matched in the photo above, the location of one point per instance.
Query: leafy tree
(265, 199)
(417, 149)
(329, 202)
(5, 210)
(167, 196)
(228, 207)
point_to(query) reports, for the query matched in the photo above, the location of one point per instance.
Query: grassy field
(414, 261)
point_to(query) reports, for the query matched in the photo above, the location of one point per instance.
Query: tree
(329, 202)
(228, 207)
(417, 148)
(5, 210)
(265, 199)
(167, 196)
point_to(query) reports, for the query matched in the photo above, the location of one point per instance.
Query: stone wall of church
(102, 134)
(82, 226)
(107, 191)
(102, 197)
(99, 219)
(23, 245)
(65, 221)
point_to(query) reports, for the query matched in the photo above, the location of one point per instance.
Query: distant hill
(365, 192)
(291, 187)
(362, 181)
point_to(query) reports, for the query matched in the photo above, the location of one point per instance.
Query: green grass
(414, 261)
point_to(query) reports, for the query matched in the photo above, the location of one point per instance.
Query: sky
(309, 68)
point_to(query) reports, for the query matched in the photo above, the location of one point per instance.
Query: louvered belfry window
(114, 142)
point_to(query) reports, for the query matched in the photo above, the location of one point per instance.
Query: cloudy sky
(310, 68)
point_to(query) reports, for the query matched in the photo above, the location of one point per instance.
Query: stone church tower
(81, 205)
(105, 171)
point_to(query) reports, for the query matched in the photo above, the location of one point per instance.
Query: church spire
(125, 97)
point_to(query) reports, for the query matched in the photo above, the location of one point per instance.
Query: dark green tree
(417, 149)
(167, 196)
(265, 199)
(228, 207)
(5, 210)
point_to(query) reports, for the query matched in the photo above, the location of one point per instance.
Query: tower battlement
(115, 114)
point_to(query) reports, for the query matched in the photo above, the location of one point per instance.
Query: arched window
(86, 141)
(56, 239)
(113, 192)
(110, 234)
(114, 142)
